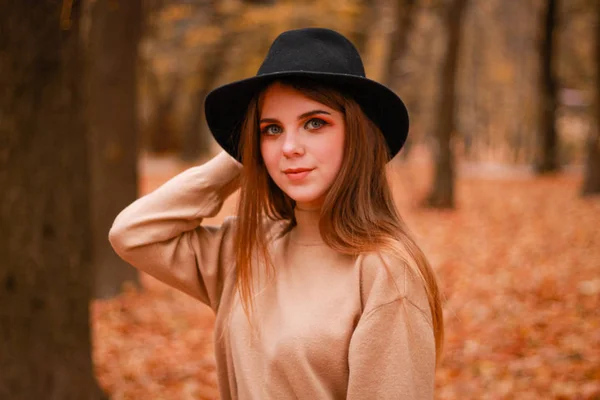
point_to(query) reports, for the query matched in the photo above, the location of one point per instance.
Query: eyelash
(265, 130)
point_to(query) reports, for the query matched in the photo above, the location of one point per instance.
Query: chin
(304, 196)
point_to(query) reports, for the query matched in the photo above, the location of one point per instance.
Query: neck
(307, 229)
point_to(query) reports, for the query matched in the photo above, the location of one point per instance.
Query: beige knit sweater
(326, 326)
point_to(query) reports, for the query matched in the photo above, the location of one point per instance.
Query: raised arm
(161, 234)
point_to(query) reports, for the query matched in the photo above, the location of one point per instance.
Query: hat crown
(322, 56)
(312, 50)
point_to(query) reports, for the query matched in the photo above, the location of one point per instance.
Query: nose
(292, 146)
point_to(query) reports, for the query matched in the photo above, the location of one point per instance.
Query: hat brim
(226, 106)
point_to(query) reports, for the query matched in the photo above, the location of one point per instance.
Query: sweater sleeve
(392, 354)
(392, 349)
(161, 234)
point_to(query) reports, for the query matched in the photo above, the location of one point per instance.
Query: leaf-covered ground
(518, 262)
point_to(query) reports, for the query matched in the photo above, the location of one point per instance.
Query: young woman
(318, 288)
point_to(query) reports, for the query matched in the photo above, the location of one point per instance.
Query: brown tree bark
(158, 134)
(442, 194)
(360, 37)
(547, 147)
(196, 135)
(405, 10)
(161, 134)
(112, 110)
(591, 180)
(45, 272)
(379, 23)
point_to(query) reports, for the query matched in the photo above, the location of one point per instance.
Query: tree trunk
(196, 135)
(162, 136)
(156, 133)
(112, 111)
(360, 38)
(45, 272)
(442, 195)
(546, 159)
(591, 180)
(405, 10)
(404, 21)
(377, 49)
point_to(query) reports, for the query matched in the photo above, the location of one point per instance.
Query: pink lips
(296, 174)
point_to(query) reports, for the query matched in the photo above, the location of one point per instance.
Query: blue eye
(315, 123)
(271, 130)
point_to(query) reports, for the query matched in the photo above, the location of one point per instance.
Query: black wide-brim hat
(322, 55)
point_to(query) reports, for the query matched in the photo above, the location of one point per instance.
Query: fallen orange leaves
(519, 265)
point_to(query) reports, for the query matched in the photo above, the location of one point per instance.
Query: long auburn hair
(357, 216)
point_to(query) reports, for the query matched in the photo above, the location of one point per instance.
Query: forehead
(282, 100)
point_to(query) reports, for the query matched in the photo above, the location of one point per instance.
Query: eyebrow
(306, 114)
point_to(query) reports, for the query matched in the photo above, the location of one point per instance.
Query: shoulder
(386, 277)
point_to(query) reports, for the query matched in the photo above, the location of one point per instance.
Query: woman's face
(302, 144)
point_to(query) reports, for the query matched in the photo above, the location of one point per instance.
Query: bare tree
(405, 14)
(442, 194)
(196, 137)
(591, 181)
(405, 10)
(360, 34)
(159, 133)
(45, 267)
(112, 110)
(547, 148)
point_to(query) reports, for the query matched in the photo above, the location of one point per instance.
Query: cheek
(331, 152)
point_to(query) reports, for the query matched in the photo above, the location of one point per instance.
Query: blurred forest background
(101, 101)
